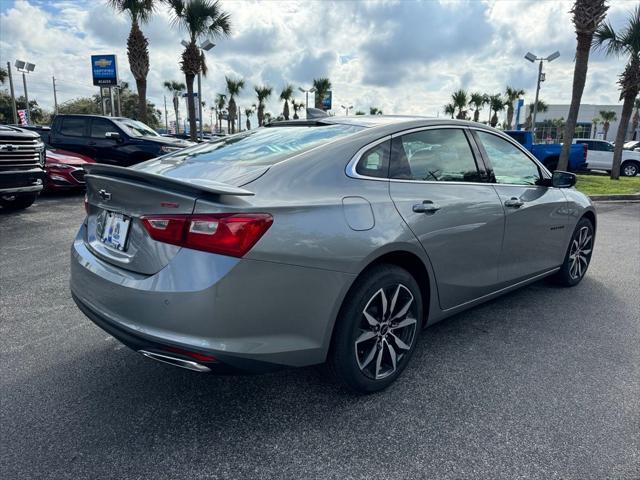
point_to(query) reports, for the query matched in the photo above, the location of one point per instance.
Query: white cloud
(401, 56)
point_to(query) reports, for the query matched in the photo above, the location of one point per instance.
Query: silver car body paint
(279, 303)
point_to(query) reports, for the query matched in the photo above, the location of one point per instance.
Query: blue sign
(104, 69)
(325, 101)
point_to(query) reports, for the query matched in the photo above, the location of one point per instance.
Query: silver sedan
(330, 240)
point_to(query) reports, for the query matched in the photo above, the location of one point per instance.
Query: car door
(105, 149)
(71, 134)
(440, 190)
(597, 156)
(536, 221)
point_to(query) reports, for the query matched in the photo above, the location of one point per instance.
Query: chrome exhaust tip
(175, 361)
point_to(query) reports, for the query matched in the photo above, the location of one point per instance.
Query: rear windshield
(231, 156)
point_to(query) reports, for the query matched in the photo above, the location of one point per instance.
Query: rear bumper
(251, 315)
(21, 181)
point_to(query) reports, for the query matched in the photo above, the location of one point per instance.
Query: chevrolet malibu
(330, 240)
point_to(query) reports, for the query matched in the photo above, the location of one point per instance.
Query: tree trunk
(285, 110)
(141, 85)
(295, 115)
(625, 116)
(579, 78)
(176, 108)
(248, 123)
(191, 107)
(232, 115)
(494, 120)
(318, 100)
(509, 117)
(260, 114)
(606, 129)
(476, 115)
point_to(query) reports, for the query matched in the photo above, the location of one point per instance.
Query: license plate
(115, 230)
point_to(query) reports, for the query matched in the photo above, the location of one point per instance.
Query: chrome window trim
(350, 169)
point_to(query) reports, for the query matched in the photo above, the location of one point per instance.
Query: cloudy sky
(402, 56)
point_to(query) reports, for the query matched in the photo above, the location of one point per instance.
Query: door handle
(426, 206)
(514, 202)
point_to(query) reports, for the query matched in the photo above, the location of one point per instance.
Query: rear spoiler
(189, 184)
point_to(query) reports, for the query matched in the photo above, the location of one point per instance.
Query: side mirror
(112, 135)
(561, 179)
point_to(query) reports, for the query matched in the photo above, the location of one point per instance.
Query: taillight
(231, 234)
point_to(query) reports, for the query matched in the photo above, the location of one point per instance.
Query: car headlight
(167, 149)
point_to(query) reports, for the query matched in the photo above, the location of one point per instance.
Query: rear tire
(17, 202)
(377, 329)
(629, 168)
(578, 256)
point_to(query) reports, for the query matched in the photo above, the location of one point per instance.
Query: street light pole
(200, 104)
(347, 109)
(25, 67)
(55, 96)
(13, 95)
(534, 58)
(307, 92)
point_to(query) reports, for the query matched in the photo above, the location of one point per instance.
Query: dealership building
(585, 127)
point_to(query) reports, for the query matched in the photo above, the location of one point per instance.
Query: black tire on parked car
(578, 256)
(17, 202)
(377, 329)
(629, 168)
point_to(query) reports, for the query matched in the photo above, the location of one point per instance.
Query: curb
(635, 197)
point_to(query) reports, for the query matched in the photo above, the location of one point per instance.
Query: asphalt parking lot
(542, 383)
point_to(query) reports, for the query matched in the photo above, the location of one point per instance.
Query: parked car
(64, 170)
(601, 157)
(549, 153)
(22, 159)
(321, 240)
(42, 130)
(112, 140)
(632, 145)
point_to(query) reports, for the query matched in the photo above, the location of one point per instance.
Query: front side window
(73, 126)
(510, 164)
(100, 126)
(375, 161)
(441, 155)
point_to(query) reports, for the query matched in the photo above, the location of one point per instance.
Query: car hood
(55, 155)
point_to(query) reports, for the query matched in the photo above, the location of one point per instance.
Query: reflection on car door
(535, 236)
(440, 191)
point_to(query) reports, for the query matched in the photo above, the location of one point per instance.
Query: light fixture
(553, 56)
(531, 57)
(184, 43)
(207, 45)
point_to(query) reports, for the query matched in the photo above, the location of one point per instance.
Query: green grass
(603, 185)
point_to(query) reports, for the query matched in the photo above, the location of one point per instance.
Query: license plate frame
(115, 230)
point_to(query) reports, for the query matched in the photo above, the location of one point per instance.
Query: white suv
(600, 156)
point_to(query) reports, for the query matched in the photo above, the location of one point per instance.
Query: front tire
(377, 330)
(17, 202)
(578, 256)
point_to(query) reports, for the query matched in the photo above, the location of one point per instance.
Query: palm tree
(477, 101)
(624, 42)
(176, 89)
(636, 118)
(247, 113)
(375, 111)
(220, 102)
(137, 45)
(3, 75)
(233, 87)
(286, 94)
(510, 96)
(450, 109)
(267, 117)
(559, 124)
(606, 117)
(496, 104)
(322, 87)
(459, 100)
(263, 93)
(201, 19)
(542, 107)
(297, 106)
(587, 16)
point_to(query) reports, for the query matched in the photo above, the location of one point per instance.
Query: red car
(64, 169)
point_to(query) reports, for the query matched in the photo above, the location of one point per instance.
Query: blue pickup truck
(549, 153)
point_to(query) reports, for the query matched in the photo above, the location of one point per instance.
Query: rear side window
(100, 126)
(73, 126)
(441, 155)
(375, 161)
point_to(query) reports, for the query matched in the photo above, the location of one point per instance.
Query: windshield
(236, 155)
(135, 128)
